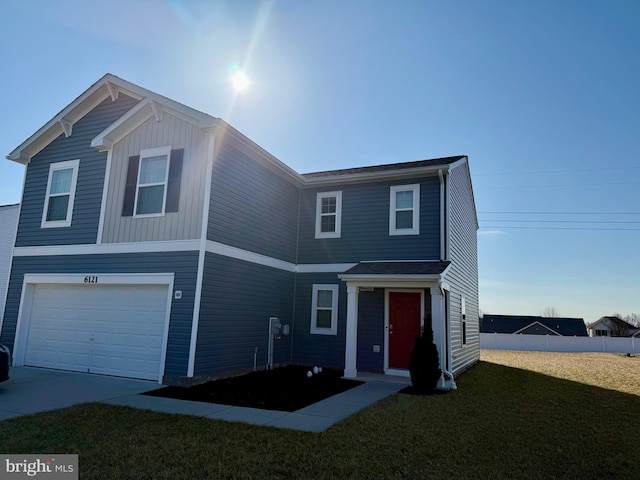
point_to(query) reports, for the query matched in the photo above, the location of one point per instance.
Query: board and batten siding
(463, 272)
(8, 225)
(186, 223)
(365, 225)
(316, 349)
(182, 264)
(238, 298)
(252, 207)
(90, 183)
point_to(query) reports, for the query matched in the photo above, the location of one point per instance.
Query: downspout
(451, 383)
(442, 212)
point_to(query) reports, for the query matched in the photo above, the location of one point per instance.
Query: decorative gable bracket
(67, 126)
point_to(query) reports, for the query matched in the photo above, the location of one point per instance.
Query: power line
(565, 213)
(559, 185)
(500, 227)
(556, 221)
(538, 172)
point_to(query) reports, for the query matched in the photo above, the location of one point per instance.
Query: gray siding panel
(88, 198)
(8, 225)
(370, 331)
(238, 298)
(365, 225)
(182, 264)
(313, 349)
(463, 273)
(251, 207)
(186, 223)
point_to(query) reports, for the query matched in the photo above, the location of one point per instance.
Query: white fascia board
(108, 86)
(108, 248)
(137, 116)
(324, 267)
(534, 323)
(88, 100)
(389, 279)
(104, 278)
(252, 257)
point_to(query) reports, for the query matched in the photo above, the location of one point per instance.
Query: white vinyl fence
(555, 343)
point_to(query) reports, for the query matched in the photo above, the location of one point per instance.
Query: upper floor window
(153, 182)
(324, 310)
(404, 211)
(328, 214)
(61, 191)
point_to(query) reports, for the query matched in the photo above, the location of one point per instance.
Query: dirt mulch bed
(286, 389)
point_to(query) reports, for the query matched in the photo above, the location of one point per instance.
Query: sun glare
(240, 81)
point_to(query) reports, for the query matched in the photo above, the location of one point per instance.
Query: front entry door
(404, 327)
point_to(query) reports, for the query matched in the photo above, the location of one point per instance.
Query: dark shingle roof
(399, 268)
(388, 167)
(512, 323)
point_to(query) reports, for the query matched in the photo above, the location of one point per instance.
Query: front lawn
(502, 422)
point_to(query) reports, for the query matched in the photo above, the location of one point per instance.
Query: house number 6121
(91, 279)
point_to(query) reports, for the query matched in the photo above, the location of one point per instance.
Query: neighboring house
(8, 225)
(516, 324)
(156, 241)
(611, 326)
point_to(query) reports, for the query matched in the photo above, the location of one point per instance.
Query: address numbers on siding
(91, 279)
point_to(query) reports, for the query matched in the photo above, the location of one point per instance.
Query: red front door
(404, 327)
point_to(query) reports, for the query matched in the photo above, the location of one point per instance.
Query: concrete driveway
(32, 390)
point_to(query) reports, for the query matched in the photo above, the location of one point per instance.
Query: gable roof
(152, 104)
(618, 322)
(519, 324)
(107, 86)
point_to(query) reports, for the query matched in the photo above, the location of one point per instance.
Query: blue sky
(543, 96)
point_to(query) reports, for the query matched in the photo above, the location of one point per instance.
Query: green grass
(502, 422)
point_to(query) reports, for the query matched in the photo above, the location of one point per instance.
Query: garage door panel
(115, 329)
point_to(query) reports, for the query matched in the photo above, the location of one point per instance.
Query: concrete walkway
(32, 390)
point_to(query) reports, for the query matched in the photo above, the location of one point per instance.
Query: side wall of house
(88, 196)
(8, 225)
(182, 264)
(186, 223)
(365, 225)
(238, 298)
(252, 207)
(463, 272)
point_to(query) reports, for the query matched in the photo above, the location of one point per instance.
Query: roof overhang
(396, 273)
(108, 86)
(143, 111)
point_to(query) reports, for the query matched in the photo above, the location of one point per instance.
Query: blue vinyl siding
(370, 331)
(238, 298)
(365, 225)
(88, 197)
(463, 273)
(182, 264)
(252, 207)
(313, 349)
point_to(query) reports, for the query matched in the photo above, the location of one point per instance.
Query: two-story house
(156, 241)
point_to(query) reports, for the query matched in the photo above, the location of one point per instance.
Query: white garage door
(113, 330)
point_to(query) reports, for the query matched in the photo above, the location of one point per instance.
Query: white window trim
(333, 330)
(146, 153)
(415, 189)
(75, 164)
(337, 233)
